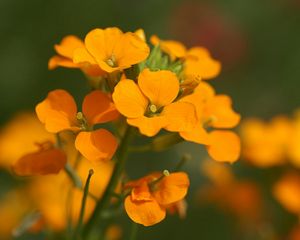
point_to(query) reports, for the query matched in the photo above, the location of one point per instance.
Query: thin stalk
(83, 204)
(134, 231)
(121, 157)
(73, 175)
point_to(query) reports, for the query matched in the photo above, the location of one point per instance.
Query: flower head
(111, 49)
(150, 106)
(59, 112)
(151, 195)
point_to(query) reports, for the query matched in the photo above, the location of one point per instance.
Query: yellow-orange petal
(141, 34)
(81, 55)
(197, 135)
(42, 162)
(219, 109)
(160, 87)
(57, 111)
(287, 191)
(129, 100)
(171, 188)
(58, 61)
(174, 49)
(225, 146)
(98, 145)
(200, 63)
(130, 50)
(148, 126)
(97, 107)
(68, 45)
(181, 116)
(146, 213)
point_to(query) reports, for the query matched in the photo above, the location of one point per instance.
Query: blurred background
(258, 43)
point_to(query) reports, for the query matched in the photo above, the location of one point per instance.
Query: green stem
(121, 157)
(73, 175)
(134, 231)
(83, 204)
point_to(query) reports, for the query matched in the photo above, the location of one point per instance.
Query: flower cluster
(159, 92)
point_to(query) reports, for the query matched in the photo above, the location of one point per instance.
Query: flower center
(82, 121)
(153, 108)
(112, 62)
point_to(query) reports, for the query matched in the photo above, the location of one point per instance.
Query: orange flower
(173, 48)
(287, 192)
(59, 112)
(200, 65)
(112, 49)
(64, 58)
(46, 160)
(266, 144)
(150, 195)
(213, 111)
(149, 105)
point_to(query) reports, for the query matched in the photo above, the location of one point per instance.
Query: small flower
(46, 160)
(59, 112)
(151, 195)
(149, 105)
(111, 49)
(65, 51)
(214, 111)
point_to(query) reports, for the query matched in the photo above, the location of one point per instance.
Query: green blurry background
(258, 42)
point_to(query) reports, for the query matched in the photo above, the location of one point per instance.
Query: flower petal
(174, 49)
(146, 213)
(81, 55)
(43, 162)
(161, 87)
(129, 100)
(58, 61)
(97, 107)
(99, 145)
(225, 146)
(200, 63)
(181, 116)
(171, 188)
(68, 45)
(220, 111)
(57, 111)
(141, 192)
(148, 126)
(198, 135)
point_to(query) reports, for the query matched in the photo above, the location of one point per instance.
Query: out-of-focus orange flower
(18, 137)
(173, 48)
(59, 112)
(149, 105)
(295, 233)
(214, 111)
(65, 51)
(287, 191)
(112, 49)
(13, 208)
(179, 208)
(200, 65)
(46, 160)
(113, 232)
(59, 201)
(151, 195)
(293, 148)
(265, 144)
(239, 197)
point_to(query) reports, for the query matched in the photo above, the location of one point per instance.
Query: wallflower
(46, 160)
(18, 138)
(65, 51)
(287, 191)
(265, 144)
(150, 195)
(59, 112)
(149, 104)
(58, 201)
(213, 111)
(112, 49)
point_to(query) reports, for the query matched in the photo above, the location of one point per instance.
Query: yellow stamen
(153, 108)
